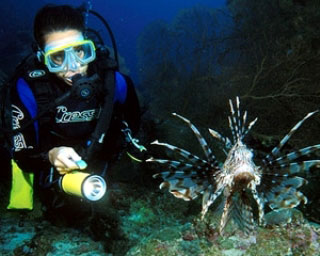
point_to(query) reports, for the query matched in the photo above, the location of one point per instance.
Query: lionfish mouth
(242, 180)
(243, 176)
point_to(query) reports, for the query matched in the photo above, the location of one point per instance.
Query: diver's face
(60, 37)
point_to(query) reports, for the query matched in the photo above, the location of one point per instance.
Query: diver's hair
(52, 18)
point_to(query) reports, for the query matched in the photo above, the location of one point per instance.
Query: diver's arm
(25, 146)
(64, 159)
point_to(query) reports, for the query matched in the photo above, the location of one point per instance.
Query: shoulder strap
(97, 137)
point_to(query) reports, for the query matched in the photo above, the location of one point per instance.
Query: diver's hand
(64, 159)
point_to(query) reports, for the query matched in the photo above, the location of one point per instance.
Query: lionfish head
(241, 166)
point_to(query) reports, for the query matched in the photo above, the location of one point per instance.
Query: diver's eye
(57, 57)
(79, 51)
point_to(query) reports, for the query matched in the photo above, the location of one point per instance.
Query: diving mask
(69, 56)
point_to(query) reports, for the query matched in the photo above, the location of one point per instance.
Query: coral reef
(152, 223)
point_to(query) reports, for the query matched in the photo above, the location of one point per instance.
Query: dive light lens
(94, 187)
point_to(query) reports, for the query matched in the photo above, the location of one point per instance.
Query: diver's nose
(72, 64)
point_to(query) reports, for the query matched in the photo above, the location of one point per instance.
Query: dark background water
(192, 62)
(126, 18)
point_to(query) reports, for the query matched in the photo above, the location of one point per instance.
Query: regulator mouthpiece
(89, 186)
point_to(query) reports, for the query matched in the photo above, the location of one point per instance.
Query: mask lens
(84, 52)
(80, 52)
(57, 58)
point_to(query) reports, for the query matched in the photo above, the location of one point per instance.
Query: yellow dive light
(89, 186)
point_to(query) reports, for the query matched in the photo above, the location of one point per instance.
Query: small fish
(238, 179)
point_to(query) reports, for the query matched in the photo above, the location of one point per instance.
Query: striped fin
(288, 169)
(225, 140)
(186, 188)
(176, 166)
(250, 126)
(242, 212)
(186, 182)
(184, 153)
(211, 158)
(209, 198)
(285, 193)
(276, 150)
(296, 154)
(260, 205)
(233, 124)
(226, 214)
(238, 127)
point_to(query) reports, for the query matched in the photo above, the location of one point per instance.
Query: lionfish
(238, 180)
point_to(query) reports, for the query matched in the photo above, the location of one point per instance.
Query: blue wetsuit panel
(120, 93)
(27, 98)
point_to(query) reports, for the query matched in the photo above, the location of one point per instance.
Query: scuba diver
(71, 107)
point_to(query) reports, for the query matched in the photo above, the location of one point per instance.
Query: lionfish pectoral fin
(209, 198)
(203, 143)
(286, 159)
(183, 183)
(180, 190)
(286, 194)
(276, 150)
(260, 205)
(226, 214)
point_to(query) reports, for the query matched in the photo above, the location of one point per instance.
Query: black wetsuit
(70, 123)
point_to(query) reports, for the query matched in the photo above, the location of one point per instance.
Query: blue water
(127, 19)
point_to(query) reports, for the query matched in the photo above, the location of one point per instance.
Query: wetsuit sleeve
(26, 151)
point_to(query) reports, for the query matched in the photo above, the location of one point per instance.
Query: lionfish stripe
(275, 151)
(244, 121)
(296, 154)
(226, 141)
(211, 158)
(260, 205)
(250, 126)
(225, 214)
(233, 132)
(234, 123)
(184, 153)
(208, 199)
(289, 201)
(301, 167)
(185, 188)
(288, 183)
(238, 116)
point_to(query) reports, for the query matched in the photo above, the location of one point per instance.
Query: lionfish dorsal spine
(225, 140)
(234, 123)
(244, 121)
(238, 128)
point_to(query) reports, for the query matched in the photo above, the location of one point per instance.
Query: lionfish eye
(250, 154)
